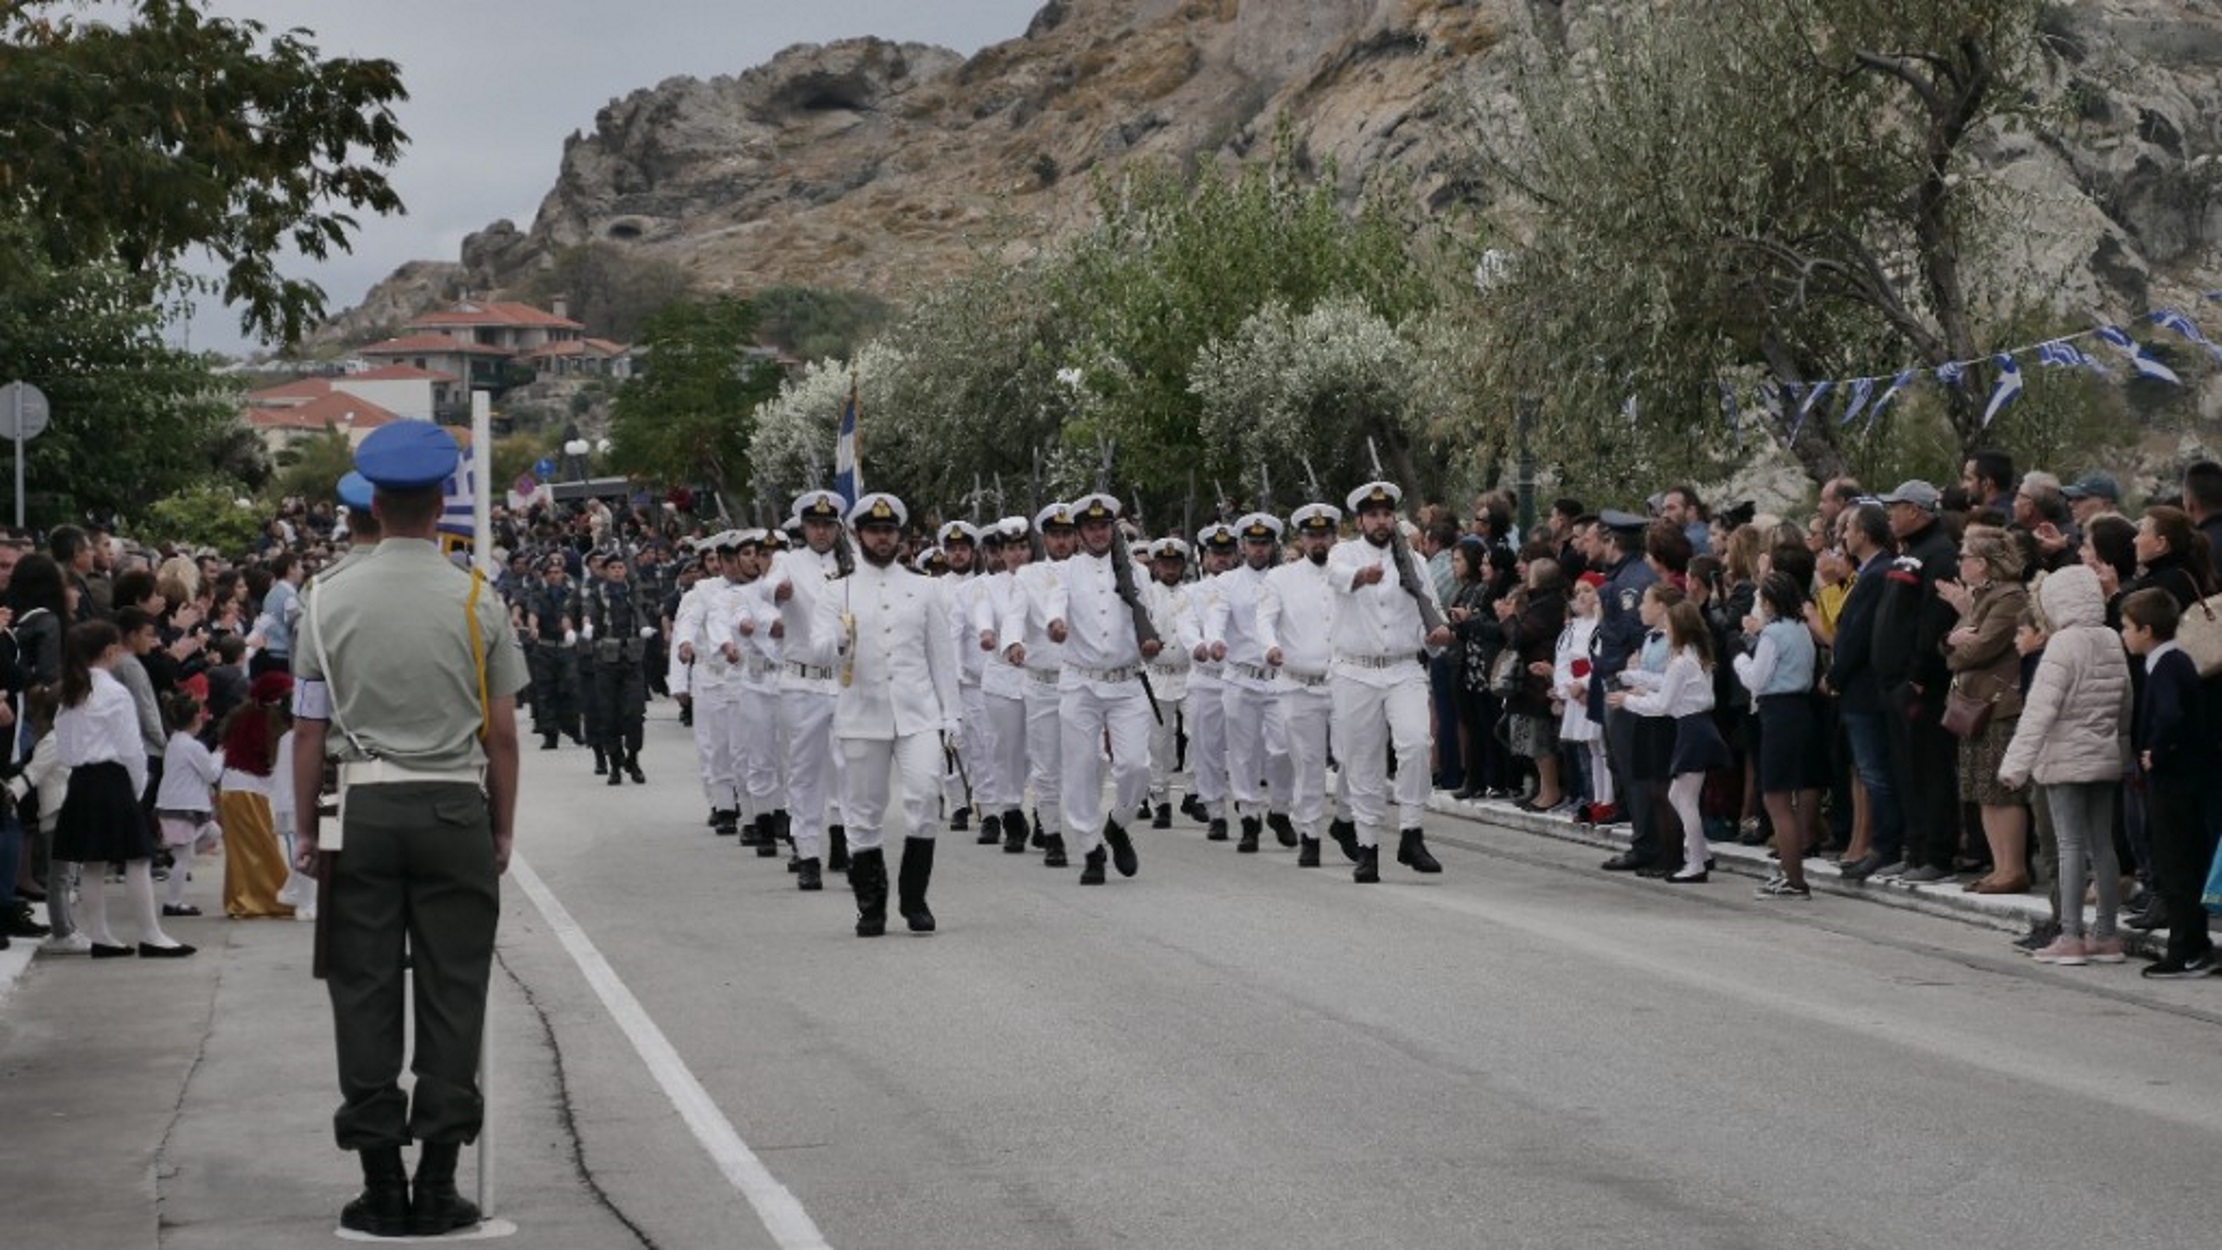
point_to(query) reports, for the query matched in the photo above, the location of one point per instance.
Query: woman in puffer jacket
(2073, 739)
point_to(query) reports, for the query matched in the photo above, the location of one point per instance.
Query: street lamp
(575, 451)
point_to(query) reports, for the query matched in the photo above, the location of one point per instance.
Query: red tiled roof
(429, 345)
(398, 372)
(336, 409)
(296, 391)
(493, 313)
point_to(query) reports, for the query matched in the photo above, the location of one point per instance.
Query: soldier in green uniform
(408, 673)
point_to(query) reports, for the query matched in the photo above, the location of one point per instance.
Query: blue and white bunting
(1902, 381)
(1950, 372)
(2170, 319)
(1861, 390)
(2009, 386)
(2139, 359)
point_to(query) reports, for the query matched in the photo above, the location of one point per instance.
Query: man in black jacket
(1911, 620)
(1859, 696)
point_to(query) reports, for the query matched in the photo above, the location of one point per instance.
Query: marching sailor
(1295, 615)
(1000, 781)
(1168, 604)
(807, 692)
(1027, 642)
(699, 632)
(1100, 691)
(1257, 738)
(1207, 711)
(759, 735)
(959, 544)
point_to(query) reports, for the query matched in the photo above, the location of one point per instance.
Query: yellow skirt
(254, 858)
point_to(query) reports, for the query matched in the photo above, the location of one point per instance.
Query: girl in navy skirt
(1779, 674)
(97, 737)
(1684, 698)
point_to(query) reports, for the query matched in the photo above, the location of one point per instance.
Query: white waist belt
(1046, 676)
(1169, 670)
(810, 672)
(1253, 672)
(1374, 661)
(388, 773)
(1305, 679)
(1105, 674)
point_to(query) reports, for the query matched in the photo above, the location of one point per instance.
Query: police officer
(618, 624)
(407, 673)
(1612, 648)
(551, 628)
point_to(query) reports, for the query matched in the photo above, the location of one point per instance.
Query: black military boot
(991, 830)
(1369, 865)
(775, 828)
(382, 1209)
(726, 824)
(1122, 849)
(1040, 839)
(1053, 850)
(868, 878)
(960, 820)
(910, 885)
(1307, 855)
(1345, 835)
(1248, 845)
(1410, 850)
(435, 1208)
(752, 833)
(837, 849)
(601, 762)
(632, 766)
(1164, 817)
(1284, 829)
(1014, 832)
(1193, 808)
(548, 740)
(1217, 830)
(807, 876)
(615, 770)
(1091, 867)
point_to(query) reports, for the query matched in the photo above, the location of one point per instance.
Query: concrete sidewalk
(2009, 913)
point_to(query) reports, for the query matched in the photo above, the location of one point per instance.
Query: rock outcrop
(886, 166)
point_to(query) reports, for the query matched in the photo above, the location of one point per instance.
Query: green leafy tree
(685, 417)
(205, 514)
(815, 323)
(142, 140)
(312, 467)
(1756, 191)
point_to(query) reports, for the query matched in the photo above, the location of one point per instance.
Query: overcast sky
(495, 85)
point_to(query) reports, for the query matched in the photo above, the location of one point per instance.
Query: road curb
(2009, 913)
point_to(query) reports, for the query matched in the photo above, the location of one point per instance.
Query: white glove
(647, 631)
(586, 631)
(570, 636)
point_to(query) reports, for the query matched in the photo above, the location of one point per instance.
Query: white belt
(388, 773)
(1305, 679)
(761, 668)
(1169, 670)
(1046, 676)
(810, 672)
(1374, 661)
(1128, 673)
(1253, 672)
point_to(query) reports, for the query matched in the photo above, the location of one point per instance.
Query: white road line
(778, 1208)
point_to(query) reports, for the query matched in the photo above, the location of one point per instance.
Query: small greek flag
(1951, 371)
(848, 467)
(1897, 384)
(458, 496)
(1862, 389)
(2139, 359)
(2009, 386)
(2170, 319)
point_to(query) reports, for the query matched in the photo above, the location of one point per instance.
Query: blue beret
(407, 455)
(354, 491)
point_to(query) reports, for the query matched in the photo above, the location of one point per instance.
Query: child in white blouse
(184, 803)
(1683, 694)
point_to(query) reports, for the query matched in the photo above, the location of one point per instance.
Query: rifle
(1265, 505)
(1122, 578)
(1311, 480)
(1407, 568)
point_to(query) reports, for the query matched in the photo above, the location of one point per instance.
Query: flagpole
(482, 554)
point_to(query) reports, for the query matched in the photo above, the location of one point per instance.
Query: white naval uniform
(1296, 614)
(1045, 660)
(1099, 692)
(761, 734)
(713, 752)
(1169, 677)
(971, 742)
(1257, 736)
(808, 690)
(1379, 686)
(901, 696)
(1207, 710)
(999, 782)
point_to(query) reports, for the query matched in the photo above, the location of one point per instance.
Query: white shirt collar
(2152, 657)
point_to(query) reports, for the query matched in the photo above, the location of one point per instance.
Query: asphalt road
(1226, 1051)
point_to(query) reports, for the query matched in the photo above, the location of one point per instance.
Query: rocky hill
(884, 166)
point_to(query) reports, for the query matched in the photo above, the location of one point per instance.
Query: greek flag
(2139, 359)
(2170, 319)
(1811, 400)
(848, 468)
(1862, 390)
(1950, 372)
(458, 511)
(2009, 386)
(1897, 384)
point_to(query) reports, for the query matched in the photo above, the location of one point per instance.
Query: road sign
(24, 411)
(543, 468)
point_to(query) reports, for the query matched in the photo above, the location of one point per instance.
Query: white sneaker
(67, 944)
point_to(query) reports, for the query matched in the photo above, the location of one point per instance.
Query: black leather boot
(1193, 808)
(1412, 851)
(910, 885)
(1284, 829)
(601, 761)
(1369, 865)
(615, 770)
(1307, 855)
(1249, 843)
(868, 879)
(1217, 830)
(1040, 839)
(382, 1209)
(807, 876)
(1122, 849)
(435, 1207)
(991, 830)
(1164, 817)
(837, 849)
(775, 828)
(632, 767)
(548, 740)
(1345, 835)
(752, 833)
(960, 820)
(1014, 832)
(726, 824)
(1053, 850)
(1091, 867)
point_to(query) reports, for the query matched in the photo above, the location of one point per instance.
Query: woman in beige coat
(2073, 738)
(1989, 598)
